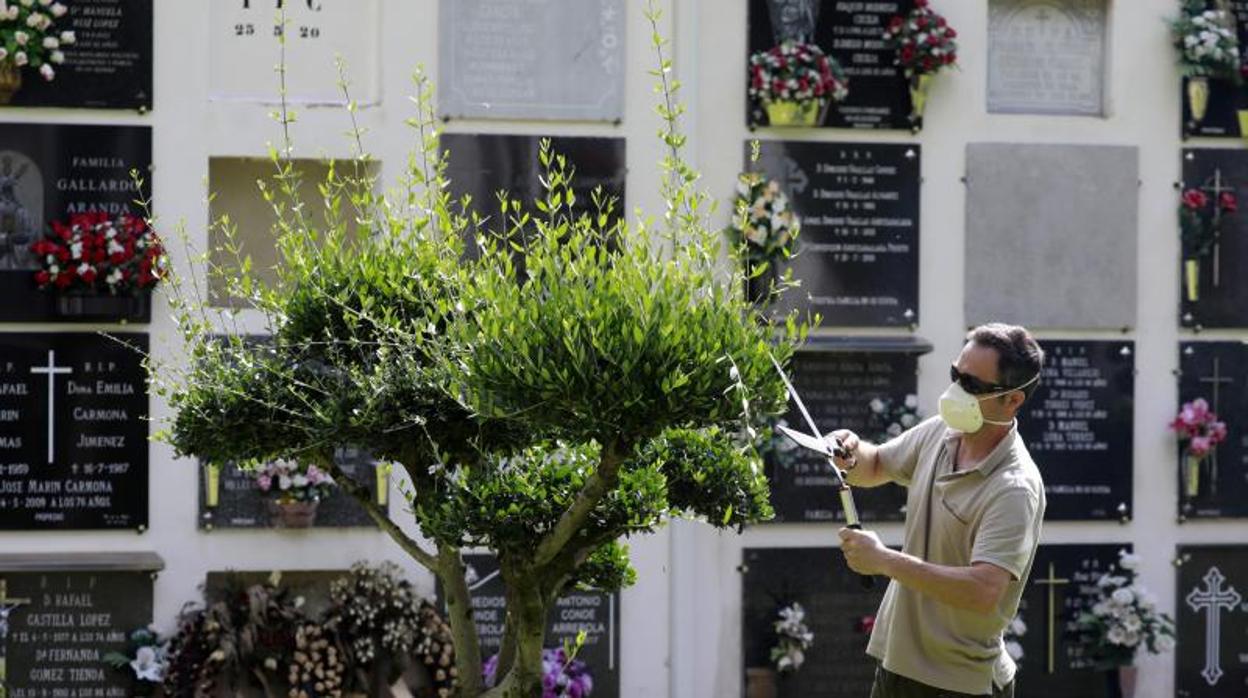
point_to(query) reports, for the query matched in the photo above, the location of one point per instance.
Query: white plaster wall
(681, 623)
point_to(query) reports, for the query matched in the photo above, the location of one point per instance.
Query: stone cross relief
(1213, 599)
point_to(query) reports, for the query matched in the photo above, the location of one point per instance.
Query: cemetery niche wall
(73, 432)
(864, 385)
(858, 251)
(1215, 486)
(105, 64)
(49, 173)
(1078, 428)
(595, 613)
(1211, 233)
(558, 60)
(244, 35)
(838, 611)
(61, 614)
(1047, 56)
(853, 35)
(1211, 621)
(1051, 235)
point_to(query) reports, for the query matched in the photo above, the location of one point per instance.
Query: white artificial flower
(147, 666)
(20, 59)
(1132, 623)
(13, 13)
(283, 482)
(1128, 561)
(57, 57)
(912, 402)
(27, 3)
(75, 250)
(1116, 635)
(45, 3)
(83, 268)
(47, 72)
(908, 420)
(67, 37)
(34, 20)
(1017, 626)
(59, 10)
(1130, 638)
(1101, 609)
(299, 480)
(21, 38)
(1014, 649)
(877, 406)
(756, 234)
(894, 430)
(1165, 643)
(50, 42)
(1123, 596)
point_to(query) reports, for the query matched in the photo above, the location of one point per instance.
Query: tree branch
(362, 495)
(596, 486)
(460, 617)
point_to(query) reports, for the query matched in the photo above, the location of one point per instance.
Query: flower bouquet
(1198, 427)
(1123, 620)
(925, 45)
(890, 418)
(766, 225)
(1208, 46)
(1013, 638)
(92, 258)
(294, 491)
(795, 82)
(562, 676)
(793, 638)
(146, 659)
(29, 39)
(1200, 225)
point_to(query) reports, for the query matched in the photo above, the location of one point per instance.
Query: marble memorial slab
(1211, 621)
(1047, 56)
(1052, 235)
(1217, 487)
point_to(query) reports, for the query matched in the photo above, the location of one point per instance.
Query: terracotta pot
(292, 514)
(105, 307)
(760, 682)
(10, 81)
(1120, 682)
(794, 113)
(919, 86)
(1198, 98)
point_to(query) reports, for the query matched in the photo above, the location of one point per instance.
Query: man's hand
(863, 551)
(850, 442)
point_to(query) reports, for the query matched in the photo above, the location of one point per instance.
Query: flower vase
(919, 86)
(10, 81)
(1191, 278)
(1242, 114)
(794, 113)
(1198, 98)
(1120, 681)
(212, 485)
(760, 682)
(292, 514)
(1191, 476)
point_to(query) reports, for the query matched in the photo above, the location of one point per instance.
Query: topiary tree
(568, 384)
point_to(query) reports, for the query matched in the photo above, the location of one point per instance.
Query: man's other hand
(863, 551)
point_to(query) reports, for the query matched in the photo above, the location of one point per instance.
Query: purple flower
(264, 482)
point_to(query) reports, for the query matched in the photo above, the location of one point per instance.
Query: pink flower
(1199, 446)
(264, 482)
(1217, 432)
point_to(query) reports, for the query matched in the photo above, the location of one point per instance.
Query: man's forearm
(975, 588)
(868, 471)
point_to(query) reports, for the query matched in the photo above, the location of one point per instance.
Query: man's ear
(1016, 399)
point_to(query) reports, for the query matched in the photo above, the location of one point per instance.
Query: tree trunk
(526, 613)
(459, 617)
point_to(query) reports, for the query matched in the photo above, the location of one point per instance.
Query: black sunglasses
(973, 385)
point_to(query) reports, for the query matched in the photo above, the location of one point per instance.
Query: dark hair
(1019, 357)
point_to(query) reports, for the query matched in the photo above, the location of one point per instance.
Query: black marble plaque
(1211, 621)
(853, 34)
(836, 606)
(1062, 585)
(1221, 298)
(48, 172)
(73, 431)
(1221, 119)
(482, 165)
(597, 613)
(1217, 372)
(838, 388)
(241, 504)
(1078, 428)
(109, 65)
(61, 624)
(858, 252)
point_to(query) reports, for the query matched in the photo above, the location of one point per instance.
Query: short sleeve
(899, 457)
(1008, 532)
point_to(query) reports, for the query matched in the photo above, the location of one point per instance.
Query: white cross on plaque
(1212, 600)
(52, 371)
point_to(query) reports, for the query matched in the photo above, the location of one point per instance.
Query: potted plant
(766, 227)
(145, 660)
(1123, 620)
(1200, 226)
(29, 39)
(1199, 428)
(795, 82)
(100, 267)
(925, 45)
(1208, 46)
(563, 676)
(294, 491)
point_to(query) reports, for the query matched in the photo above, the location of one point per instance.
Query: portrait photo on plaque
(1078, 427)
(88, 54)
(857, 252)
(74, 244)
(1212, 293)
(1211, 454)
(817, 64)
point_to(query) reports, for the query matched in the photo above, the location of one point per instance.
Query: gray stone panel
(1051, 235)
(1047, 56)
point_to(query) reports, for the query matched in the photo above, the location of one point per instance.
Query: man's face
(981, 362)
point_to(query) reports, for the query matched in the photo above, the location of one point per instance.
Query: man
(973, 515)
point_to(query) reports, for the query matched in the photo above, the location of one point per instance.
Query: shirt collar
(995, 458)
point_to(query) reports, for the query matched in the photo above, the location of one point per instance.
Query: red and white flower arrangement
(924, 41)
(28, 37)
(1200, 429)
(94, 252)
(1200, 223)
(796, 72)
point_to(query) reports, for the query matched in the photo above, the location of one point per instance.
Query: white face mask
(961, 410)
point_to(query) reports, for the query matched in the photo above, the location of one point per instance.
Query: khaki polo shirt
(991, 513)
